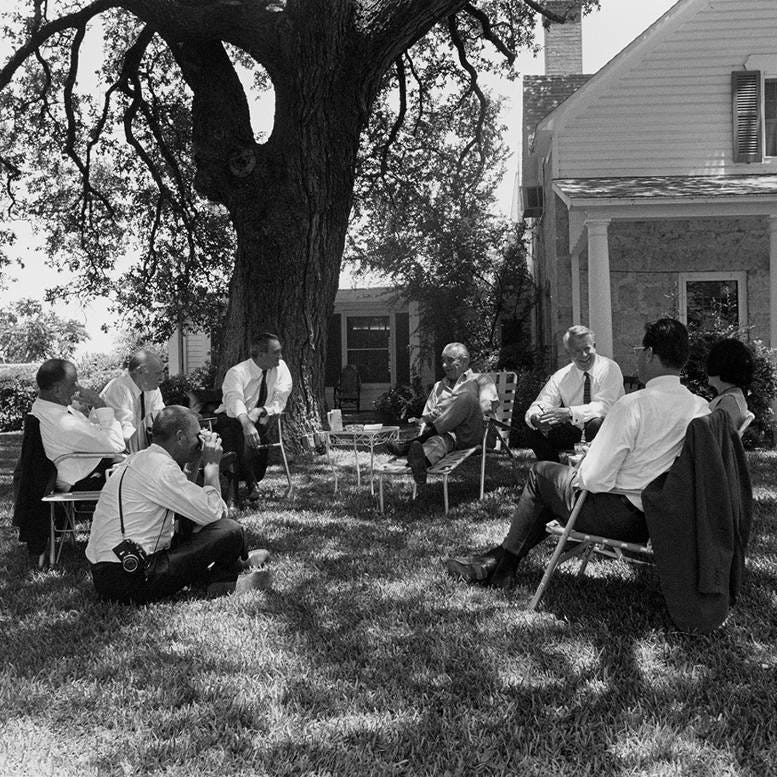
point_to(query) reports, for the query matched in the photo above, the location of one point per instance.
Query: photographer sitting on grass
(134, 552)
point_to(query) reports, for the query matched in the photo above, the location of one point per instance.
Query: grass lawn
(367, 659)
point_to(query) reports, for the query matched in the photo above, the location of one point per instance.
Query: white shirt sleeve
(233, 392)
(119, 397)
(202, 504)
(488, 395)
(102, 435)
(280, 391)
(615, 438)
(548, 398)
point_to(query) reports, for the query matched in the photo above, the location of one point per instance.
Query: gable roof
(634, 49)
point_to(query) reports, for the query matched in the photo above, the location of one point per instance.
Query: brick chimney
(563, 42)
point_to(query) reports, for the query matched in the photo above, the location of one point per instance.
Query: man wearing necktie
(253, 393)
(575, 399)
(135, 397)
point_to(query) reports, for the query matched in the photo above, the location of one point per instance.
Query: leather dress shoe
(503, 575)
(416, 458)
(474, 569)
(399, 448)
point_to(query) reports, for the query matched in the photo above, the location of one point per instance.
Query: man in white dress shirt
(575, 398)
(139, 504)
(253, 393)
(452, 418)
(63, 429)
(638, 441)
(135, 397)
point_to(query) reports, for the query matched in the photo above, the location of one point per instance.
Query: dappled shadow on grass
(366, 658)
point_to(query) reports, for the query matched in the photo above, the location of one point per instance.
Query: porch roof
(679, 188)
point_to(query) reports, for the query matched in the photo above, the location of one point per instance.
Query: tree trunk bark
(290, 236)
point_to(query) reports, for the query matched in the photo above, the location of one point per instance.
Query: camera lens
(130, 563)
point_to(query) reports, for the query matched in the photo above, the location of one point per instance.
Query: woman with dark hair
(730, 373)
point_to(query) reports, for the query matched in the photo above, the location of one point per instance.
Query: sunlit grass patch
(366, 658)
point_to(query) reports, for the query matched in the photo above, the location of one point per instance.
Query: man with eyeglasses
(639, 439)
(575, 399)
(453, 415)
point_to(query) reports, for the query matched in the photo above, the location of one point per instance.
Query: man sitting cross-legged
(138, 506)
(453, 414)
(639, 439)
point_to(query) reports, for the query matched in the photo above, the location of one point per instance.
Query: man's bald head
(147, 369)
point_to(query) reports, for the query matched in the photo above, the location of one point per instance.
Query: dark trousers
(251, 462)
(95, 480)
(549, 494)
(186, 562)
(561, 437)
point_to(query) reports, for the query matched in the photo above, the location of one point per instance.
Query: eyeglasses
(638, 348)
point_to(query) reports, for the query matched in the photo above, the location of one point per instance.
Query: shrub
(402, 402)
(175, 387)
(17, 393)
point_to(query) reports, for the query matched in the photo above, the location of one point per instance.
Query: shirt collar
(133, 387)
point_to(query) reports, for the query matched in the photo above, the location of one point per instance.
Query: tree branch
(474, 86)
(400, 66)
(41, 35)
(549, 15)
(488, 32)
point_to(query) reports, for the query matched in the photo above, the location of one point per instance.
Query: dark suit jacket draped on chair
(33, 478)
(698, 515)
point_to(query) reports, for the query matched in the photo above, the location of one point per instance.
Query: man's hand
(251, 436)
(212, 451)
(553, 417)
(89, 398)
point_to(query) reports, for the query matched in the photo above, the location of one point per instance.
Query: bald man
(453, 415)
(135, 397)
(137, 508)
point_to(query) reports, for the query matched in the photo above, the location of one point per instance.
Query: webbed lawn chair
(496, 428)
(349, 387)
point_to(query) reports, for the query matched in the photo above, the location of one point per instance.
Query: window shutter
(746, 109)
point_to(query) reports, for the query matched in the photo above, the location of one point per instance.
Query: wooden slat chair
(572, 543)
(496, 427)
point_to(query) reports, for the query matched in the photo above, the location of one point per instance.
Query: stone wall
(646, 258)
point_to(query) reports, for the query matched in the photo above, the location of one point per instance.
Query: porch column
(772, 280)
(599, 297)
(577, 311)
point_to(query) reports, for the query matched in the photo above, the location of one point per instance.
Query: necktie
(586, 388)
(262, 390)
(142, 425)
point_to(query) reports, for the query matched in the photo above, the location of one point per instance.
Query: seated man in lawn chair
(66, 430)
(254, 392)
(575, 399)
(453, 415)
(638, 441)
(135, 554)
(135, 397)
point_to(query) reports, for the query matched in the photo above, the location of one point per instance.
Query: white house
(652, 185)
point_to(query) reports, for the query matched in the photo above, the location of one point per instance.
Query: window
(770, 116)
(753, 98)
(709, 299)
(368, 339)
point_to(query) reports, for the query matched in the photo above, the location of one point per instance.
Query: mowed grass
(365, 658)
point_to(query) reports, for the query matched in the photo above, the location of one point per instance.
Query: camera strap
(121, 512)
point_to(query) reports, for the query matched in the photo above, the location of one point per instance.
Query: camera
(133, 558)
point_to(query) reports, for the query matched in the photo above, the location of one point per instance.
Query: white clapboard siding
(663, 107)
